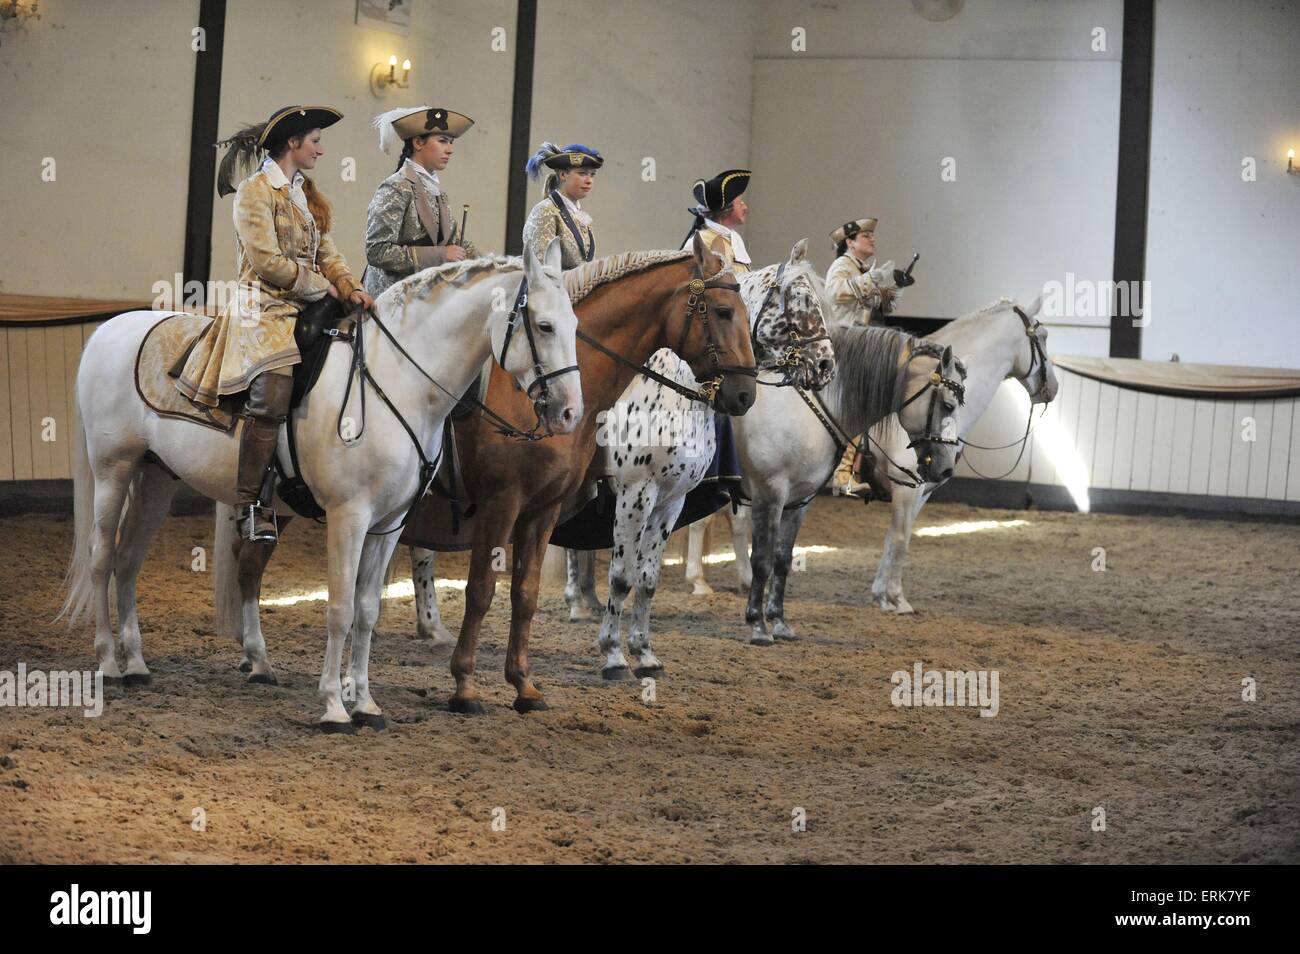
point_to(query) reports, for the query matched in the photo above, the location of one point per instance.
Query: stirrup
(247, 524)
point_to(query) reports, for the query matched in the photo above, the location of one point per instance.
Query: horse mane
(430, 282)
(869, 376)
(587, 277)
(1000, 304)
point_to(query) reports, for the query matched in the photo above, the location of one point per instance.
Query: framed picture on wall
(393, 16)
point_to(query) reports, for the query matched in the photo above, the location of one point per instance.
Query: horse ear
(1035, 307)
(554, 254)
(799, 252)
(711, 260)
(532, 267)
(947, 357)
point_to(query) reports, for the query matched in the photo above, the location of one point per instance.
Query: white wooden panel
(1180, 452)
(1125, 445)
(71, 358)
(20, 403)
(6, 424)
(1103, 460)
(1240, 450)
(1085, 438)
(1222, 415)
(1293, 467)
(1279, 450)
(56, 403)
(1162, 445)
(1198, 477)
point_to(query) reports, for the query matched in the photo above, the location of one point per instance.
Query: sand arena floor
(1119, 689)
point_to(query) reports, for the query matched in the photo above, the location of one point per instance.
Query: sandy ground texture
(1119, 690)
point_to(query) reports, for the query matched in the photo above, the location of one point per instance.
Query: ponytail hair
(408, 150)
(318, 205)
(842, 248)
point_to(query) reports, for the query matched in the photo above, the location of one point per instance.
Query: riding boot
(265, 411)
(868, 474)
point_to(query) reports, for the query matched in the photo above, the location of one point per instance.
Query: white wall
(109, 99)
(453, 65)
(1222, 253)
(668, 80)
(860, 123)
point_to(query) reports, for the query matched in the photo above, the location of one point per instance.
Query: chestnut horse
(628, 307)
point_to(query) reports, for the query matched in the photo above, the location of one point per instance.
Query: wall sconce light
(1291, 169)
(384, 75)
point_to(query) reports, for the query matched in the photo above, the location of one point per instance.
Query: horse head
(710, 329)
(788, 306)
(533, 340)
(934, 385)
(1033, 368)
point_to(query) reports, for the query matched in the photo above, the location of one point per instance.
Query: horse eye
(546, 327)
(725, 313)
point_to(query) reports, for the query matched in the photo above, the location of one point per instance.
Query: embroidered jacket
(407, 229)
(283, 262)
(545, 223)
(854, 295)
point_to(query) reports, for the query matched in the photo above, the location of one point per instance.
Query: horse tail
(77, 581)
(227, 604)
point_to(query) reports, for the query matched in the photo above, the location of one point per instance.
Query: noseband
(521, 313)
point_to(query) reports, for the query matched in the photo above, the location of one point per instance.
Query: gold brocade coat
(545, 223)
(405, 231)
(283, 262)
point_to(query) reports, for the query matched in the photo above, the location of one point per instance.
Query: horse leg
(112, 482)
(635, 504)
(532, 532)
(347, 534)
(740, 525)
(791, 521)
(695, 558)
(894, 600)
(766, 519)
(428, 620)
(150, 502)
(881, 580)
(491, 533)
(650, 555)
(580, 585)
(252, 557)
(375, 556)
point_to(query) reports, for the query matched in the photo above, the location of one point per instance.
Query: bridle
(933, 384)
(794, 354)
(697, 308)
(1037, 353)
(521, 313)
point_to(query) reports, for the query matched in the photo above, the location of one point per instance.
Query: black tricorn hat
(714, 195)
(296, 120)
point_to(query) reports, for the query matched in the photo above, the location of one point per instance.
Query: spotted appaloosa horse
(661, 444)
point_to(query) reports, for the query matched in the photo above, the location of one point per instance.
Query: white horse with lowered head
(998, 343)
(448, 320)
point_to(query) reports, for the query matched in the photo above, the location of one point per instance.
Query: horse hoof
(523, 705)
(338, 728)
(245, 666)
(112, 680)
(369, 720)
(615, 673)
(466, 706)
(761, 641)
(137, 679)
(642, 671)
(264, 679)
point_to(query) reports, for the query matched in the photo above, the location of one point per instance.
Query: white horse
(789, 444)
(997, 343)
(448, 320)
(665, 448)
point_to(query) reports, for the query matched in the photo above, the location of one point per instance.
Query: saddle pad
(159, 352)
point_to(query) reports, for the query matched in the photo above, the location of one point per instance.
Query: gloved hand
(902, 279)
(882, 276)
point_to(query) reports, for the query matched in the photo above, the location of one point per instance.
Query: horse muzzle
(736, 395)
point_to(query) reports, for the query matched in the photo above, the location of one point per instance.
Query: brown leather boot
(265, 411)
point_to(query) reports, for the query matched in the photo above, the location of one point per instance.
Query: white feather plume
(384, 123)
